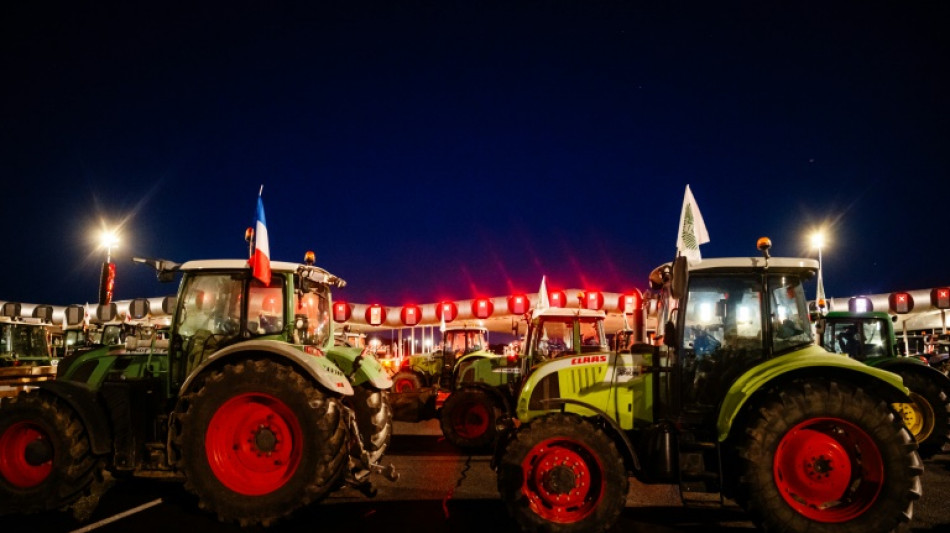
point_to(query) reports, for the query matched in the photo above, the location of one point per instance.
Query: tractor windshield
(788, 313)
(858, 338)
(23, 341)
(313, 306)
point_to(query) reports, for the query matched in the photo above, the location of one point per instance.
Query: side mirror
(669, 335)
(680, 277)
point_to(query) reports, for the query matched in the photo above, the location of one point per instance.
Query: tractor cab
(725, 316)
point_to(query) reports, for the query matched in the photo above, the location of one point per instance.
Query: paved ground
(439, 490)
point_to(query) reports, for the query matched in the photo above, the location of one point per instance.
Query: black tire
(374, 419)
(824, 457)
(406, 381)
(541, 472)
(469, 419)
(242, 415)
(928, 418)
(45, 458)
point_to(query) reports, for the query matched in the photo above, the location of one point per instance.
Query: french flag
(260, 260)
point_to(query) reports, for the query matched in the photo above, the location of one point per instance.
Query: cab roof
(236, 264)
(778, 264)
(567, 312)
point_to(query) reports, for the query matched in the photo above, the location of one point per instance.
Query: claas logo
(900, 302)
(940, 297)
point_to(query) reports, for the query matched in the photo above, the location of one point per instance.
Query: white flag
(543, 302)
(692, 230)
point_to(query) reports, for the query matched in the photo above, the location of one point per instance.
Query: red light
(630, 302)
(375, 315)
(940, 297)
(341, 312)
(410, 315)
(900, 302)
(557, 298)
(446, 311)
(518, 304)
(593, 300)
(482, 308)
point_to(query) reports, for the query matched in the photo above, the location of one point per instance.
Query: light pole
(818, 241)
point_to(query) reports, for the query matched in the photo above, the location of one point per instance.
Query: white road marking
(117, 517)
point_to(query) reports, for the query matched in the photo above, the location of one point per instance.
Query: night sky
(430, 150)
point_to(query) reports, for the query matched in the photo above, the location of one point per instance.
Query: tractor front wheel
(257, 441)
(826, 457)
(561, 473)
(469, 418)
(45, 458)
(928, 416)
(374, 419)
(406, 381)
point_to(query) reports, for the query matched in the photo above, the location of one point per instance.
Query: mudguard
(85, 402)
(317, 366)
(369, 371)
(809, 358)
(893, 364)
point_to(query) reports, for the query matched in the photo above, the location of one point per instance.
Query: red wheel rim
(403, 385)
(254, 444)
(564, 480)
(470, 420)
(14, 465)
(828, 470)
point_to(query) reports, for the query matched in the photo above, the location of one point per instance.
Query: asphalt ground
(439, 490)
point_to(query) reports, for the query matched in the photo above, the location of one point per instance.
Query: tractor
(733, 402)
(485, 390)
(247, 402)
(869, 337)
(459, 344)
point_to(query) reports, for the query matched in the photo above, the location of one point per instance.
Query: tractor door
(722, 336)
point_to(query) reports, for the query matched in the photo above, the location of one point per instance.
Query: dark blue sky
(439, 149)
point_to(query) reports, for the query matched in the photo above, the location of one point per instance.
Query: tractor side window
(556, 339)
(722, 334)
(788, 313)
(209, 315)
(315, 306)
(265, 307)
(593, 338)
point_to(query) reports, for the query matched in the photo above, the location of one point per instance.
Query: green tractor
(735, 402)
(869, 337)
(25, 342)
(459, 344)
(247, 401)
(486, 388)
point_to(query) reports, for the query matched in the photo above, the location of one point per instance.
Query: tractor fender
(625, 447)
(494, 392)
(895, 364)
(370, 370)
(813, 361)
(316, 365)
(85, 402)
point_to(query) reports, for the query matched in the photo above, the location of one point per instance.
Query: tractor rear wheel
(374, 419)
(562, 474)
(826, 457)
(45, 458)
(469, 418)
(406, 381)
(928, 417)
(256, 441)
